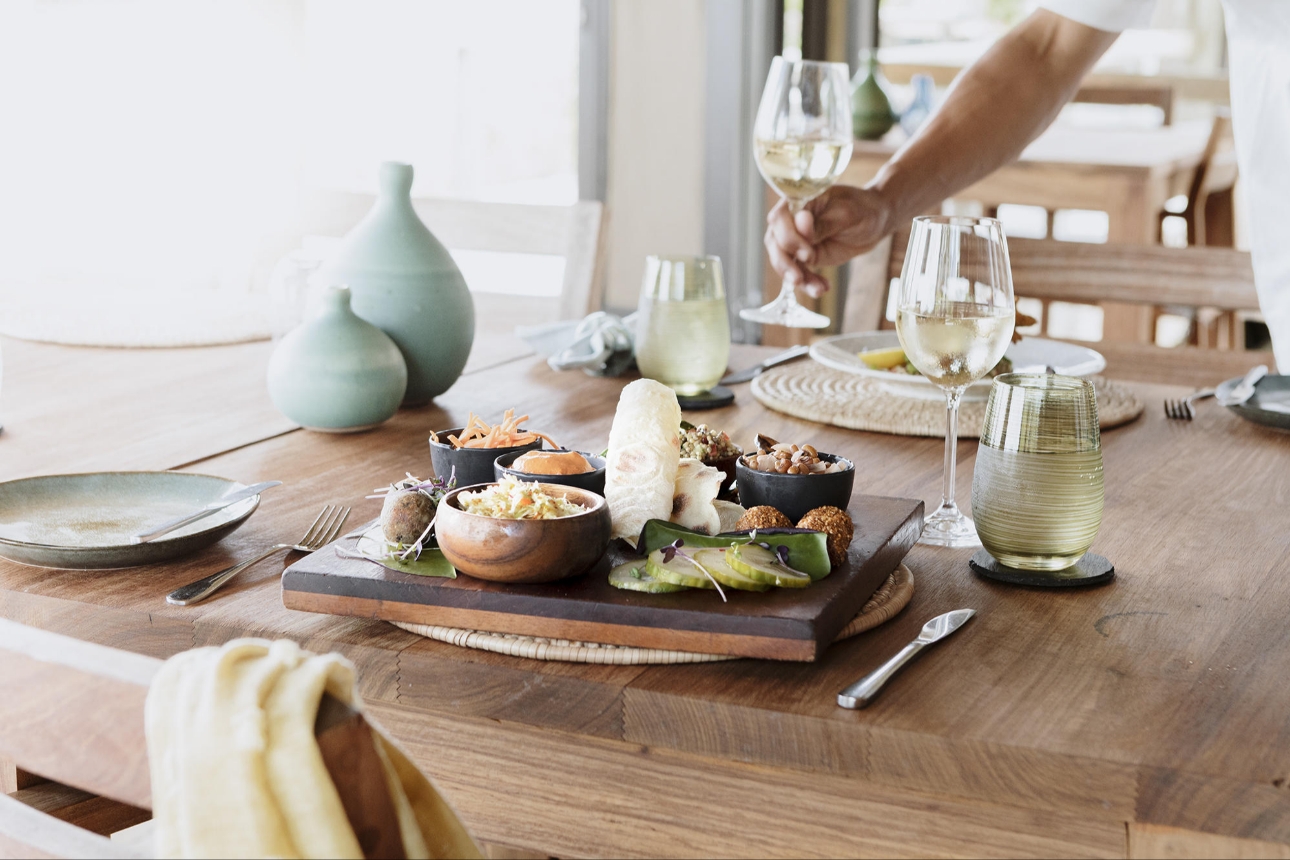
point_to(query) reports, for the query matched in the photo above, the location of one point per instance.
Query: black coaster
(714, 399)
(1091, 570)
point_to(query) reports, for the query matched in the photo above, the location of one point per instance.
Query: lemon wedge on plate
(883, 359)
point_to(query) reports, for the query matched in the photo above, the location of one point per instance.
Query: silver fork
(322, 532)
(1182, 410)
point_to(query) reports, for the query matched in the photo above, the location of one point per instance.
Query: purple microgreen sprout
(673, 549)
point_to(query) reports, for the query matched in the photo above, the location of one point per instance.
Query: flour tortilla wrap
(644, 454)
(696, 490)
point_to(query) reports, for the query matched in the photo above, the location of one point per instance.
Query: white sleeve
(1114, 16)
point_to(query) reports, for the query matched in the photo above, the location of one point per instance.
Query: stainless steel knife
(862, 692)
(791, 354)
(230, 498)
(1244, 389)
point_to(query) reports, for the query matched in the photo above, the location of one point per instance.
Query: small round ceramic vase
(337, 373)
(406, 284)
(871, 113)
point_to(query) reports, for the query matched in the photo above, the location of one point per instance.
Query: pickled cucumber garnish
(758, 562)
(679, 570)
(632, 576)
(714, 562)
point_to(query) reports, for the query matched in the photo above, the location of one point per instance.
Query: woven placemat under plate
(890, 598)
(812, 391)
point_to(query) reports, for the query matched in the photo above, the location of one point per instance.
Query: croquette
(406, 515)
(763, 517)
(835, 523)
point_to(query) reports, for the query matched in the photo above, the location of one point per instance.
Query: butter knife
(230, 498)
(791, 354)
(1244, 389)
(862, 692)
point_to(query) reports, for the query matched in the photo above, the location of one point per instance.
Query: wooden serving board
(780, 624)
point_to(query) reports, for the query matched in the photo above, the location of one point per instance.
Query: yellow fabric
(236, 771)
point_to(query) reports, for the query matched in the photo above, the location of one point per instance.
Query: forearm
(995, 108)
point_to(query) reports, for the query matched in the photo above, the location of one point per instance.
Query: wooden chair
(1077, 272)
(572, 232)
(1155, 95)
(72, 741)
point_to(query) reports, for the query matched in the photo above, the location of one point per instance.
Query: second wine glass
(802, 143)
(955, 317)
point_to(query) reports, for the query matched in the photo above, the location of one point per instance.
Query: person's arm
(994, 109)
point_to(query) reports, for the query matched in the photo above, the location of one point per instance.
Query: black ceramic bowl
(795, 495)
(594, 480)
(473, 465)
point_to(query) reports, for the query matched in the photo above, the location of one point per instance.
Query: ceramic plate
(1270, 405)
(1031, 355)
(85, 521)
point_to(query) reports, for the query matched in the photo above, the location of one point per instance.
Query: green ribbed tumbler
(1037, 486)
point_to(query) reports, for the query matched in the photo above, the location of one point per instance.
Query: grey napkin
(600, 344)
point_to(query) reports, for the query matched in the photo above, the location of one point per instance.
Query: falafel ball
(835, 523)
(406, 515)
(763, 517)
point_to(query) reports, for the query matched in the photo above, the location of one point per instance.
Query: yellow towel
(236, 771)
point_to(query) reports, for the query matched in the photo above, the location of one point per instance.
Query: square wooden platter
(780, 624)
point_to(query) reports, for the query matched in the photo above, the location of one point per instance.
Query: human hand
(839, 224)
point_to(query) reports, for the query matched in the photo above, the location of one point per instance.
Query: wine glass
(802, 142)
(955, 317)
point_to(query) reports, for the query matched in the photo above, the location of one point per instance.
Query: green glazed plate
(85, 521)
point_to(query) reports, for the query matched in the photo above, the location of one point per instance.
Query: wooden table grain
(1144, 717)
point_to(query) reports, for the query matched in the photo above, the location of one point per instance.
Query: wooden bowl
(470, 465)
(504, 550)
(795, 495)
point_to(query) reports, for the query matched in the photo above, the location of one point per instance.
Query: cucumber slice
(807, 550)
(623, 577)
(678, 571)
(759, 563)
(714, 562)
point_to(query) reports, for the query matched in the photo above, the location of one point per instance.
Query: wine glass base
(949, 528)
(782, 313)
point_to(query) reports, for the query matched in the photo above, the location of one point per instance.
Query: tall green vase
(871, 113)
(406, 284)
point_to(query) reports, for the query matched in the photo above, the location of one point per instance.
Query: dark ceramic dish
(505, 550)
(796, 495)
(726, 465)
(473, 465)
(593, 480)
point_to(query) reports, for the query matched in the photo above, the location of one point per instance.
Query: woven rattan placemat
(810, 390)
(890, 598)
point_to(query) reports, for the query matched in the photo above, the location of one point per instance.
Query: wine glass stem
(952, 396)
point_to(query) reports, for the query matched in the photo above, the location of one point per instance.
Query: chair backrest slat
(75, 712)
(572, 232)
(1141, 274)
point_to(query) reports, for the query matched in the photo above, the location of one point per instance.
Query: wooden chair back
(1220, 278)
(74, 716)
(1158, 96)
(571, 232)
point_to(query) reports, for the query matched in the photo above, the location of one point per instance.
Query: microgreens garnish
(673, 550)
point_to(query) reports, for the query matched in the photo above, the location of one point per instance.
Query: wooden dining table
(1146, 717)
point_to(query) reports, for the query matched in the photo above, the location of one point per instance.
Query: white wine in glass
(802, 143)
(955, 317)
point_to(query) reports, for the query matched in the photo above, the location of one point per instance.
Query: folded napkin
(600, 344)
(236, 770)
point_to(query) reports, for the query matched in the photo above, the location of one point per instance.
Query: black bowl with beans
(795, 494)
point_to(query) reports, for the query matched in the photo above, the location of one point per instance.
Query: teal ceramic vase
(871, 113)
(406, 284)
(337, 373)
